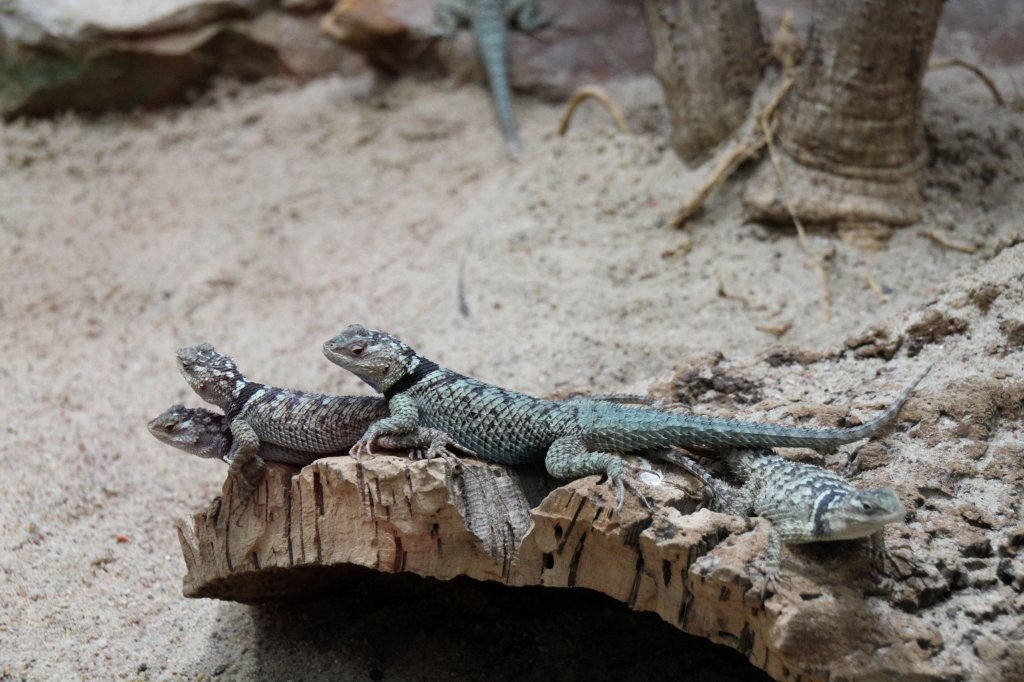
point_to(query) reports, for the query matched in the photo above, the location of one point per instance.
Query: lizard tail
(492, 44)
(625, 428)
(762, 436)
(873, 426)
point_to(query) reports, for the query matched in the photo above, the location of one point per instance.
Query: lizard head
(212, 375)
(376, 357)
(196, 431)
(863, 512)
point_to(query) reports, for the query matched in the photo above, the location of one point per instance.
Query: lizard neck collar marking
(423, 368)
(237, 403)
(822, 528)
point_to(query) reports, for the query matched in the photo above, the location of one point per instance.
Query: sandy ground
(265, 218)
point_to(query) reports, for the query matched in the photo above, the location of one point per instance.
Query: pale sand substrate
(263, 219)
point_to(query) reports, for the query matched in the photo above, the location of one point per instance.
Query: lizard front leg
(425, 444)
(404, 419)
(568, 458)
(779, 536)
(883, 562)
(246, 466)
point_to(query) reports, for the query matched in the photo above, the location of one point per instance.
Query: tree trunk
(851, 141)
(708, 57)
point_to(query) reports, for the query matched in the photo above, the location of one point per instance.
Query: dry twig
(874, 286)
(730, 162)
(726, 294)
(592, 92)
(949, 243)
(775, 329)
(977, 71)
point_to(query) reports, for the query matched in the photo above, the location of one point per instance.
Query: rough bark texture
(951, 610)
(708, 57)
(851, 138)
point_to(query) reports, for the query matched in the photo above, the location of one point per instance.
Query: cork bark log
(952, 608)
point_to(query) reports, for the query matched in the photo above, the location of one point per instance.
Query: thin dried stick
(775, 329)
(949, 243)
(724, 293)
(977, 71)
(731, 161)
(722, 171)
(874, 286)
(593, 92)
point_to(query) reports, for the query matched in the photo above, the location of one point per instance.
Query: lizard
(574, 438)
(314, 423)
(207, 434)
(488, 21)
(804, 503)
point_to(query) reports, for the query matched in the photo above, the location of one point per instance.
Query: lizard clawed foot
(772, 579)
(364, 446)
(443, 445)
(621, 482)
(453, 461)
(252, 472)
(885, 564)
(251, 476)
(245, 489)
(247, 475)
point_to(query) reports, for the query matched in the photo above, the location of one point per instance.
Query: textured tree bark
(708, 57)
(851, 141)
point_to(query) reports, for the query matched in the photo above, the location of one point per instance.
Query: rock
(62, 23)
(950, 606)
(394, 37)
(94, 56)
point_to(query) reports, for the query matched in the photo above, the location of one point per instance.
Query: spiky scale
(257, 415)
(804, 503)
(514, 428)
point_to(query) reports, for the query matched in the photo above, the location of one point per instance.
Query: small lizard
(207, 434)
(298, 421)
(804, 502)
(487, 19)
(573, 438)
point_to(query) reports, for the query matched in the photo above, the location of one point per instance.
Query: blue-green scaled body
(573, 438)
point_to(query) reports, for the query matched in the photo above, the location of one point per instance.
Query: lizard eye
(169, 428)
(356, 348)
